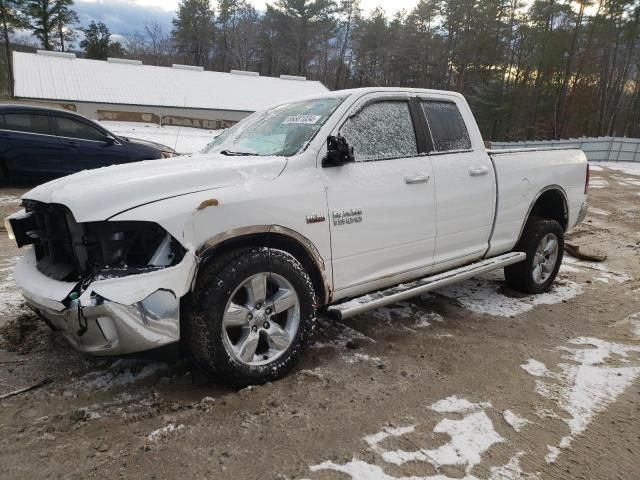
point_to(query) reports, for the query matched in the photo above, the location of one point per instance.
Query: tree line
(541, 69)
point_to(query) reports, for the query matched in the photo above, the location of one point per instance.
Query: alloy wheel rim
(261, 319)
(545, 258)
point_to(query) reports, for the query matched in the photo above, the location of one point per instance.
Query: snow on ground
(482, 295)
(516, 422)
(591, 375)
(9, 199)
(455, 404)
(120, 373)
(599, 211)
(597, 372)
(163, 432)
(469, 438)
(182, 139)
(601, 271)
(598, 182)
(629, 168)
(10, 299)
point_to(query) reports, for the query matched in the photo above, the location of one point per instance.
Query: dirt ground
(472, 381)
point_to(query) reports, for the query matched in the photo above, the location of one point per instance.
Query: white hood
(94, 195)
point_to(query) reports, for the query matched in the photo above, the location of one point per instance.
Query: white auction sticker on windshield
(304, 119)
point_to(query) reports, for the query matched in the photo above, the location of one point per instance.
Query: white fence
(604, 149)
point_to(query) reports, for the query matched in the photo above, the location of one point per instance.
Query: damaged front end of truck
(110, 287)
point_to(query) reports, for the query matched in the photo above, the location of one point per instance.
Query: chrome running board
(402, 292)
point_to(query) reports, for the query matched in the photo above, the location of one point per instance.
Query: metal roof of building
(63, 77)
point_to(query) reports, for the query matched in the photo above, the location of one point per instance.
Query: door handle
(477, 171)
(419, 178)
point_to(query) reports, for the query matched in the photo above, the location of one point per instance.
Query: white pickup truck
(340, 203)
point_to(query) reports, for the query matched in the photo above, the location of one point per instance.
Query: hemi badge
(315, 218)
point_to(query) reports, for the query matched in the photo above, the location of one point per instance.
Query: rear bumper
(112, 316)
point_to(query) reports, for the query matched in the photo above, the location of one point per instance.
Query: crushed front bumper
(111, 316)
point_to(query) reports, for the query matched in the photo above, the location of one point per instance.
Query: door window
(381, 130)
(27, 122)
(68, 127)
(447, 126)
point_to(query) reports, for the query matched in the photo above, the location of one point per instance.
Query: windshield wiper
(231, 153)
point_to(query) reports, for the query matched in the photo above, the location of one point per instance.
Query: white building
(127, 90)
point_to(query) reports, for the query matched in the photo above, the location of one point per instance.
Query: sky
(127, 16)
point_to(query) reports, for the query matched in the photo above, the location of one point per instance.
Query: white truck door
(465, 186)
(382, 206)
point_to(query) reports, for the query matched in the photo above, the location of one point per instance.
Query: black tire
(217, 283)
(520, 276)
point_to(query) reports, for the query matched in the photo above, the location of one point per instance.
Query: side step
(402, 292)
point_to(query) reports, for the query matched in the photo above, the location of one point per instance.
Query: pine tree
(64, 17)
(97, 42)
(194, 30)
(12, 17)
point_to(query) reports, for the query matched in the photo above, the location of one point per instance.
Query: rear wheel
(543, 242)
(251, 316)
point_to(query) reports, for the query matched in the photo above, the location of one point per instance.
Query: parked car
(43, 143)
(347, 201)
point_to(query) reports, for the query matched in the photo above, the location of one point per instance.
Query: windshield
(284, 130)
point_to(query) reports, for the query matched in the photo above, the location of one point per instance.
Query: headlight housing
(67, 250)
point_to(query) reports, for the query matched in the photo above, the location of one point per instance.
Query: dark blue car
(41, 144)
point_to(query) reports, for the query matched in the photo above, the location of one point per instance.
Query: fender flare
(542, 191)
(209, 248)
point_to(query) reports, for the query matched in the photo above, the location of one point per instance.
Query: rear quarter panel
(521, 177)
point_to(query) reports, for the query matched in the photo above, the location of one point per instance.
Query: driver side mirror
(109, 140)
(338, 152)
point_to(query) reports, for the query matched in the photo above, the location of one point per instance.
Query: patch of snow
(602, 272)
(455, 404)
(516, 422)
(512, 471)
(9, 199)
(629, 168)
(362, 357)
(598, 182)
(481, 295)
(552, 455)
(595, 168)
(182, 139)
(387, 432)
(120, 373)
(427, 319)
(11, 300)
(589, 383)
(163, 432)
(342, 336)
(535, 368)
(599, 211)
(470, 437)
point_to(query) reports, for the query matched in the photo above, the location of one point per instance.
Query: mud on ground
(471, 381)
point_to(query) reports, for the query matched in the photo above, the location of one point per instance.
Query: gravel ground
(471, 381)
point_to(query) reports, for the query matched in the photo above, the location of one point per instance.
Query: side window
(68, 127)
(447, 126)
(381, 130)
(27, 122)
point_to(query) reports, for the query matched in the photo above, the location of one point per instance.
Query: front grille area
(71, 251)
(52, 240)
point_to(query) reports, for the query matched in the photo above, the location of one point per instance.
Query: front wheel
(543, 242)
(251, 316)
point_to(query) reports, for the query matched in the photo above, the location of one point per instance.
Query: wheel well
(552, 205)
(280, 242)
